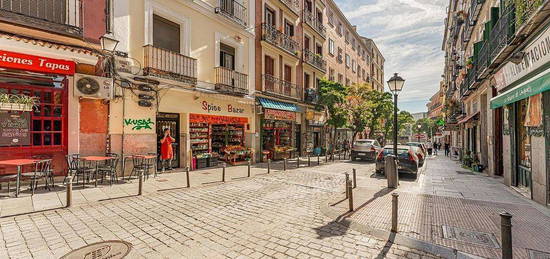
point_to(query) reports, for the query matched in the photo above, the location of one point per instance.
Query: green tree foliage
(381, 111)
(332, 96)
(359, 108)
(427, 125)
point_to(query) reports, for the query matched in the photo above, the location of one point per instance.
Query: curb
(398, 239)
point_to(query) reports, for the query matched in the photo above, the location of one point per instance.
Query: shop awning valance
(277, 105)
(522, 91)
(215, 119)
(467, 118)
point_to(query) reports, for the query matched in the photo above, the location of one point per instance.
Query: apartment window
(347, 81)
(347, 37)
(306, 42)
(306, 80)
(319, 49)
(227, 56)
(353, 44)
(340, 59)
(339, 29)
(166, 34)
(331, 46)
(340, 78)
(348, 61)
(330, 17)
(353, 66)
(108, 16)
(363, 73)
(331, 74)
(289, 28)
(359, 71)
(269, 16)
(308, 6)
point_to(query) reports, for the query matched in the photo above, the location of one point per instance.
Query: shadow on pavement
(387, 247)
(403, 176)
(337, 227)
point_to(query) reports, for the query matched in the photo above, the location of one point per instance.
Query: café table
(96, 160)
(147, 156)
(19, 163)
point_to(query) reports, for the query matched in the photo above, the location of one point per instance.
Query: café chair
(109, 168)
(42, 170)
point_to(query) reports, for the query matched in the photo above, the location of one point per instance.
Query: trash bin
(390, 169)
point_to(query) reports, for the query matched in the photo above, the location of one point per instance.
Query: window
(353, 44)
(331, 46)
(166, 34)
(319, 50)
(347, 37)
(353, 66)
(330, 17)
(227, 56)
(289, 28)
(269, 16)
(331, 74)
(340, 78)
(306, 42)
(348, 61)
(108, 16)
(340, 59)
(306, 80)
(347, 82)
(359, 71)
(339, 29)
(363, 73)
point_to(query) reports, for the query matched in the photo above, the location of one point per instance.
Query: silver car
(365, 149)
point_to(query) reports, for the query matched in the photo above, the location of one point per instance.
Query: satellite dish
(87, 85)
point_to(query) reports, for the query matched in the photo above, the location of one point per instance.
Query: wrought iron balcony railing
(233, 10)
(315, 60)
(169, 65)
(473, 13)
(293, 5)
(313, 21)
(273, 85)
(311, 96)
(59, 16)
(229, 81)
(472, 76)
(279, 39)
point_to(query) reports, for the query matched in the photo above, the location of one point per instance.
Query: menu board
(14, 128)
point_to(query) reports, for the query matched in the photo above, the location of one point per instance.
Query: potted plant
(461, 17)
(13, 102)
(469, 63)
(467, 159)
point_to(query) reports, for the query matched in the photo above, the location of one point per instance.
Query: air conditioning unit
(95, 87)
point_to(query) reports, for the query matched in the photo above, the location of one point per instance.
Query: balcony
(279, 39)
(315, 60)
(475, 9)
(170, 65)
(313, 21)
(311, 96)
(293, 5)
(278, 87)
(233, 10)
(58, 16)
(502, 34)
(231, 82)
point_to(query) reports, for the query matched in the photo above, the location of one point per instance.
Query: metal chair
(42, 169)
(7, 178)
(84, 169)
(140, 166)
(109, 168)
(50, 174)
(152, 163)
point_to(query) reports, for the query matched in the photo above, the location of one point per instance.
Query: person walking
(166, 150)
(429, 146)
(447, 149)
(436, 148)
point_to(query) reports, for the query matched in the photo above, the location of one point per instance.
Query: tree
(332, 97)
(403, 118)
(426, 126)
(381, 111)
(359, 108)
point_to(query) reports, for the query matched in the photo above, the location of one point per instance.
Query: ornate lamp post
(418, 134)
(396, 85)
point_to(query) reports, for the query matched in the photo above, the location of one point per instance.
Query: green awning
(277, 105)
(520, 92)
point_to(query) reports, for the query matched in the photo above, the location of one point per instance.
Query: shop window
(524, 139)
(166, 34)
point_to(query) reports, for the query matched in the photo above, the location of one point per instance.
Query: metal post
(318, 159)
(308, 160)
(298, 162)
(249, 162)
(347, 179)
(326, 157)
(340, 155)
(268, 165)
(354, 178)
(223, 172)
(187, 175)
(284, 164)
(506, 234)
(350, 198)
(394, 203)
(140, 186)
(69, 192)
(395, 125)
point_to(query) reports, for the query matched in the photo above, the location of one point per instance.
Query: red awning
(469, 117)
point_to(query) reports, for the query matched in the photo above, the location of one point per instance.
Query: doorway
(169, 121)
(298, 135)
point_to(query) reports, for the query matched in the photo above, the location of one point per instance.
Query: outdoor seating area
(84, 171)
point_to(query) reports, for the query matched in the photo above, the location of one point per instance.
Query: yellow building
(187, 69)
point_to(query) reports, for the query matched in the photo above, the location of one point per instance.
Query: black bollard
(69, 192)
(298, 162)
(308, 160)
(140, 185)
(284, 164)
(319, 159)
(354, 178)
(394, 203)
(268, 165)
(187, 176)
(249, 162)
(223, 172)
(347, 179)
(506, 234)
(350, 198)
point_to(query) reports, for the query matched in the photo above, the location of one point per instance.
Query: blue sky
(409, 33)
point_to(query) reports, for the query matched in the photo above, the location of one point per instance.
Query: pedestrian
(166, 150)
(429, 146)
(436, 147)
(447, 149)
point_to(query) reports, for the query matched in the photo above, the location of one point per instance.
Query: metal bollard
(140, 186)
(319, 159)
(69, 192)
(350, 198)
(506, 234)
(187, 176)
(394, 203)
(326, 157)
(340, 155)
(298, 162)
(268, 166)
(308, 160)
(223, 172)
(354, 178)
(284, 164)
(347, 179)
(249, 162)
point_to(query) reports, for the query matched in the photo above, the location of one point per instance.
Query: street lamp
(108, 43)
(418, 134)
(396, 85)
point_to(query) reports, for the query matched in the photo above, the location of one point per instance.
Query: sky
(409, 34)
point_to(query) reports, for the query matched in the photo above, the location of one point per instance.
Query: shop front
(34, 107)
(279, 129)
(315, 140)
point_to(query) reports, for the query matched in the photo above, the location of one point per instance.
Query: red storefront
(43, 130)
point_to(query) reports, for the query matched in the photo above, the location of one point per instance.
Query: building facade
(496, 104)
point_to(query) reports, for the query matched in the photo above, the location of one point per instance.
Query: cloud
(409, 33)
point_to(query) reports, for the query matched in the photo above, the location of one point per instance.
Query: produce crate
(202, 163)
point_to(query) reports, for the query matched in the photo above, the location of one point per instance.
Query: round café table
(19, 163)
(96, 160)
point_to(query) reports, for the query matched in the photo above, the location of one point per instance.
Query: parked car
(365, 149)
(420, 154)
(408, 161)
(421, 145)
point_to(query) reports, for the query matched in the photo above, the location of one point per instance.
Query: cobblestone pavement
(454, 208)
(268, 216)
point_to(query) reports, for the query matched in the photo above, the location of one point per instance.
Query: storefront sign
(536, 54)
(139, 124)
(279, 115)
(539, 85)
(213, 119)
(211, 107)
(35, 63)
(14, 129)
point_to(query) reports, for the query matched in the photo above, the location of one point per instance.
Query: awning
(272, 104)
(529, 88)
(467, 118)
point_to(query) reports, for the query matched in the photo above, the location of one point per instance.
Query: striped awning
(277, 105)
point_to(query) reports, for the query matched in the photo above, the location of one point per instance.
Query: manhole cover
(112, 249)
(470, 236)
(534, 254)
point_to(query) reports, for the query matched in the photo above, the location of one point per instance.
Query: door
(298, 135)
(306, 42)
(288, 78)
(498, 159)
(270, 17)
(269, 70)
(169, 121)
(522, 142)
